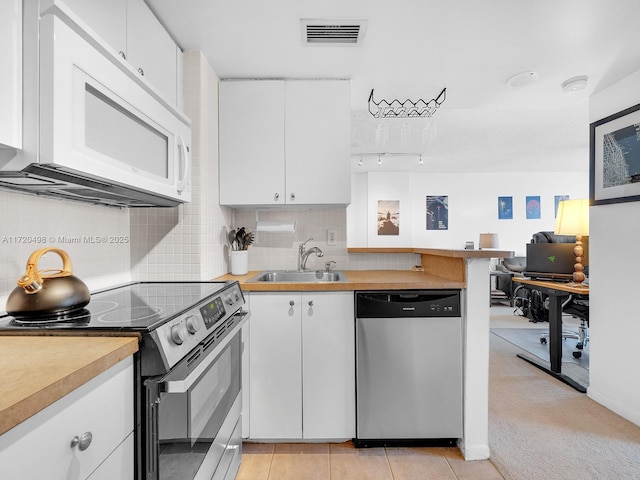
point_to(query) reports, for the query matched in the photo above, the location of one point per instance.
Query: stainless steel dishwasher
(408, 367)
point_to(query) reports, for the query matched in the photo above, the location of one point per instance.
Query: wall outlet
(331, 237)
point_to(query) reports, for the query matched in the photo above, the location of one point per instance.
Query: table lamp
(573, 219)
(488, 240)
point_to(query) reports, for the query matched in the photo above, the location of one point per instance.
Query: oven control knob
(178, 334)
(192, 324)
(230, 300)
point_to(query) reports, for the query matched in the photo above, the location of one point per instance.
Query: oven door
(193, 429)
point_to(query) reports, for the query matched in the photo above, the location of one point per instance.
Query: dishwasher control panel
(408, 303)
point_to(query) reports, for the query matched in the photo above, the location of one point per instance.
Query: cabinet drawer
(40, 447)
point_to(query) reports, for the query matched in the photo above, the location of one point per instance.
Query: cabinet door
(102, 406)
(150, 50)
(252, 142)
(119, 465)
(328, 365)
(318, 142)
(11, 73)
(276, 371)
(107, 18)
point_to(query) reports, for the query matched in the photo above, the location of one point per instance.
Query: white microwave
(94, 131)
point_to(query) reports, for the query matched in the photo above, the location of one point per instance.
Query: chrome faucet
(303, 254)
(328, 265)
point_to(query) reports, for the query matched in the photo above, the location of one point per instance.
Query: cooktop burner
(76, 317)
(140, 306)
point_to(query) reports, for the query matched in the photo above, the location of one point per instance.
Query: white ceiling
(414, 48)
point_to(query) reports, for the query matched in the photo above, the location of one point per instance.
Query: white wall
(473, 206)
(614, 318)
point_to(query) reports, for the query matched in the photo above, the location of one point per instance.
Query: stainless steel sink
(294, 276)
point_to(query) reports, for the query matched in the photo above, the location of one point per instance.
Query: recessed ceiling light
(523, 78)
(575, 84)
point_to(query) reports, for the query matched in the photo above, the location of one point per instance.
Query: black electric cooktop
(138, 306)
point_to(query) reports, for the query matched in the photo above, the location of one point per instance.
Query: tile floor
(342, 461)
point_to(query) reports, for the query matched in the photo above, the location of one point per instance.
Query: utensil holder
(239, 262)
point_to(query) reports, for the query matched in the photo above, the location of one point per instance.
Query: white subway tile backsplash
(97, 239)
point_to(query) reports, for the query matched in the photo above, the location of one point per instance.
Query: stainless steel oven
(193, 414)
(188, 371)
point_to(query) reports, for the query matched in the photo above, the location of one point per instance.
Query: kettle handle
(32, 279)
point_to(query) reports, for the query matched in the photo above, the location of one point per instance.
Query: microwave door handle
(185, 165)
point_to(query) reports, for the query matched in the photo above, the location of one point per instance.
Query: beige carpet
(542, 429)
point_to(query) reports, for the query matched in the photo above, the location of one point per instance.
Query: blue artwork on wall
(533, 207)
(505, 208)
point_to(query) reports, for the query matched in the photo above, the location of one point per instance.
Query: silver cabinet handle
(83, 441)
(292, 196)
(276, 197)
(311, 303)
(291, 303)
(122, 54)
(141, 71)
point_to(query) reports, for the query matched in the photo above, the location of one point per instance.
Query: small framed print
(533, 207)
(505, 208)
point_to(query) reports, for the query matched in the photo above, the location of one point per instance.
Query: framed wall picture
(614, 158)
(505, 208)
(533, 207)
(388, 217)
(437, 212)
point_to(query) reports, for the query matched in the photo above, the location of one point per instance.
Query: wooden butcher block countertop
(38, 370)
(356, 280)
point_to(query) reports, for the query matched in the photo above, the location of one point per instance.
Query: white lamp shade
(573, 217)
(488, 240)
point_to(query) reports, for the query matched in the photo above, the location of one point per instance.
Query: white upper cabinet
(107, 18)
(11, 73)
(150, 49)
(318, 142)
(251, 132)
(285, 142)
(132, 31)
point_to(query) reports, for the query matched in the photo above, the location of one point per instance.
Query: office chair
(577, 307)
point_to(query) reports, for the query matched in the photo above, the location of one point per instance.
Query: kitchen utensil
(248, 239)
(47, 292)
(232, 238)
(240, 238)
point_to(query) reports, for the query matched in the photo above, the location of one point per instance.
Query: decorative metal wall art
(408, 108)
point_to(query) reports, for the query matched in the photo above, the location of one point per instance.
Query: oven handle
(183, 386)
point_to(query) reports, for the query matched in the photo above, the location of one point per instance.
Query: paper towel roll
(281, 227)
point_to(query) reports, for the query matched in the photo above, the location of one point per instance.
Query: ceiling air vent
(332, 32)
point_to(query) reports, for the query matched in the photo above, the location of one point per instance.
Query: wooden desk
(557, 291)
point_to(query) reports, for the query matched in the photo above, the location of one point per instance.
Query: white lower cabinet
(302, 373)
(42, 446)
